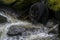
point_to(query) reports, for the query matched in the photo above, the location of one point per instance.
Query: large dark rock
(15, 30)
(39, 13)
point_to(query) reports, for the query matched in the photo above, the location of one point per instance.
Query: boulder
(39, 13)
(14, 30)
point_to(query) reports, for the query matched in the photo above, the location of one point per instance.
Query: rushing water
(40, 33)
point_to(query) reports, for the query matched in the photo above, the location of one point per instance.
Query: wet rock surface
(22, 31)
(39, 13)
(2, 19)
(14, 30)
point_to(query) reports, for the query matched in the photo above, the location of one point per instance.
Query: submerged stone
(14, 30)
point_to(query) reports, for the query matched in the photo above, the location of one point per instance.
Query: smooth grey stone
(15, 30)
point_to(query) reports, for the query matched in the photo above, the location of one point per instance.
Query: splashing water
(40, 34)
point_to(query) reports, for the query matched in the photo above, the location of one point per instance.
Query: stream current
(40, 32)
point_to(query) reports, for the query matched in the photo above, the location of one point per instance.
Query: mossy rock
(54, 4)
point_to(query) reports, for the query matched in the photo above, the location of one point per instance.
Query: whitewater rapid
(11, 21)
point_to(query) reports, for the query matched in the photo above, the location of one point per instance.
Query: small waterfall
(40, 33)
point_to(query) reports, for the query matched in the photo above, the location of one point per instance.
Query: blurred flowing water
(40, 32)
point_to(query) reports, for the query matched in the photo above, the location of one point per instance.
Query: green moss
(54, 4)
(8, 1)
